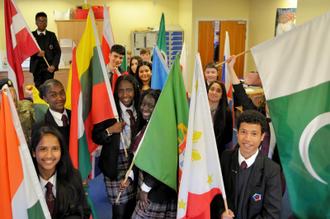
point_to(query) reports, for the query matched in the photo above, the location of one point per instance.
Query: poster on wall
(285, 20)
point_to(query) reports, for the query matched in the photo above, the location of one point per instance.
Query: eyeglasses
(44, 22)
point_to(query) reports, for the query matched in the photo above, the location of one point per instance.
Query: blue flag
(159, 70)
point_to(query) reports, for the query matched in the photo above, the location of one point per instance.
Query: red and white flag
(107, 39)
(20, 44)
(201, 176)
(116, 75)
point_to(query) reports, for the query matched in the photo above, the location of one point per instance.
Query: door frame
(223, 19)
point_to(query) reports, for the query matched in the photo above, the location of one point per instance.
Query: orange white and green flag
(21, 195)
(201, 174)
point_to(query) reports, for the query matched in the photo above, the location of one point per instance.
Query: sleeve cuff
(131, 175)
(145, 188)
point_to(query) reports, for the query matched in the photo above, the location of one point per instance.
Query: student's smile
(147, 107)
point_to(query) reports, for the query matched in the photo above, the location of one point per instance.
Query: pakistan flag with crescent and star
(295, 72)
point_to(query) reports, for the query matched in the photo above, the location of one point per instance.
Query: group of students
(251, 192)
(140, 69)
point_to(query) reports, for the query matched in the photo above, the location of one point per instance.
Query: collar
(44, 32)
(58, 115)
(52, 180)
(248, 161)
(124, 108)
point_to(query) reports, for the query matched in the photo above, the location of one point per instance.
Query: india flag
(22, 197)
(295, 72)
(201, 176)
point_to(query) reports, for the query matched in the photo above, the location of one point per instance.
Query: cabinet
(142, 38)
(73, 30)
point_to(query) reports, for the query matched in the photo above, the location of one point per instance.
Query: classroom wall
(125, 15)
(308, 9)
(186, 22)
(261, 25)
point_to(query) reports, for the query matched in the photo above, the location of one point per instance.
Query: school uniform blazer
(110, 150)
(243, 99)
(227, 134)
(264, 180)
(52, 51)
(48, 120)
(75, 214)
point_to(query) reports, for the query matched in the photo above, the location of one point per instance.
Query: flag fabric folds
(184, 64)
(161, 41)
(22, 197)
(90, 97)
(294, 69)
(124, 62)
(159, 70)
(158, 151)
(88, 87)
(20, 44)
(226, 80)
(108, 39)
(201, 177)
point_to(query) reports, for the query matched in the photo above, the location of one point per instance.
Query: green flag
(294, 69)
(124, 63)
(161, 41)
(158, 151)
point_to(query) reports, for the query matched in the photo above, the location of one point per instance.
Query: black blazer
(264, 179)
(160, 192)
(110, 150)
(75, 214)
(48, 120)
(242, 99)
(227, 135)
(52, 51)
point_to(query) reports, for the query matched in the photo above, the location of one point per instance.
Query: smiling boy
(211, 73)
(252, 180)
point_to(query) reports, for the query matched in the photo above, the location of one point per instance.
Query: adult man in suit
(49, 48)
(252, 180)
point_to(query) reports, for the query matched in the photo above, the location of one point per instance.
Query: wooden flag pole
(46, 61)
(242, 53)
(126, 177)
(226, 205)
(122, 140)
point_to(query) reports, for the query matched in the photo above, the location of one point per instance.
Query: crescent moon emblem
(307, 135)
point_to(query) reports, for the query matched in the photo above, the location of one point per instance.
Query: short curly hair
(252, 117)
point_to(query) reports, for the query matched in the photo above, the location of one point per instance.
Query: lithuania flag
(158, 150)
(89, 97)
(21, 195)
(294, 68)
